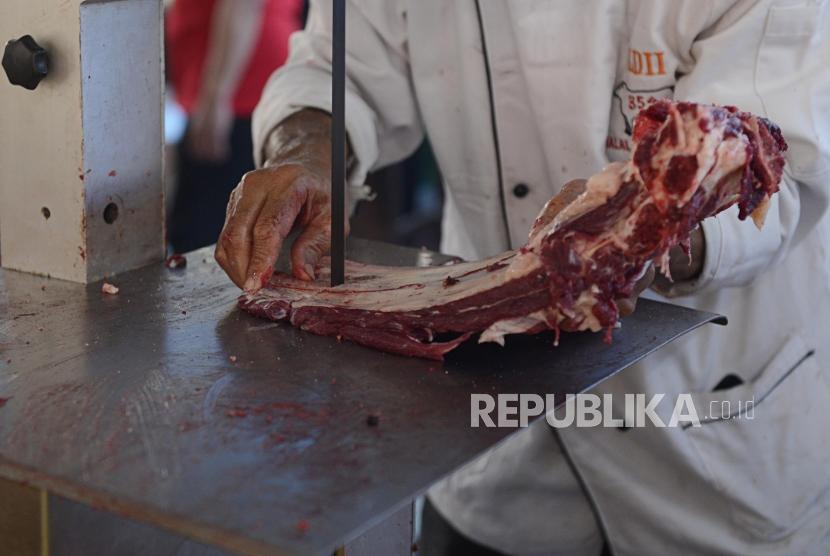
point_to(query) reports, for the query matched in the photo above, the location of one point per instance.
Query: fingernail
(309, 270)
(251, 285)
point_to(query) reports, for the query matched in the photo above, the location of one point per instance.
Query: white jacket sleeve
(771, 58)
(382, 118)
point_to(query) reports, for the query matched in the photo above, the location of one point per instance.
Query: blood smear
(175, 261)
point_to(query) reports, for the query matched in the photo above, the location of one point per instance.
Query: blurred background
(220, 54)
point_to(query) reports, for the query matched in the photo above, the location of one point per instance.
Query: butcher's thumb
(309, 247)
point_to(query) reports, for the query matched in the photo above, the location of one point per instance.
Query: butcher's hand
(291, 192)
(681, 267)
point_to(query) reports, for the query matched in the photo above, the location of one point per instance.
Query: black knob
(521, 190)
(26, 62)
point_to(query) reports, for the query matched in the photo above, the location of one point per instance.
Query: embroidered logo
(644, 62)
(629, 101)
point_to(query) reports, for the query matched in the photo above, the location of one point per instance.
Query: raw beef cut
(689, 162)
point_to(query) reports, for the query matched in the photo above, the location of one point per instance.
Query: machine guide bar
(338, 144)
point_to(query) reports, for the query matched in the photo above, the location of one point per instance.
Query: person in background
(220, 55)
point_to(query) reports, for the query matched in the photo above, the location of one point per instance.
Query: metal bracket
(81, 157)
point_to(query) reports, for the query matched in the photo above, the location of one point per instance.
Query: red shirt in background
(187, 29)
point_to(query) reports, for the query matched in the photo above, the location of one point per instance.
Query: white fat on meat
(582, 311)
(519, 325)
(598, 190)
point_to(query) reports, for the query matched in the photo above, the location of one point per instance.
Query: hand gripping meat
(689, 162)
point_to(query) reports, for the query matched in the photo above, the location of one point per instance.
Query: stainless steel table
(168, 405)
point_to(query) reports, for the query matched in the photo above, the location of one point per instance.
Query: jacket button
(521, 190)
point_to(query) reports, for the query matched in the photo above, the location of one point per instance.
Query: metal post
(338, 144)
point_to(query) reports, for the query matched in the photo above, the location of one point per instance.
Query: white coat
(539, 92)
